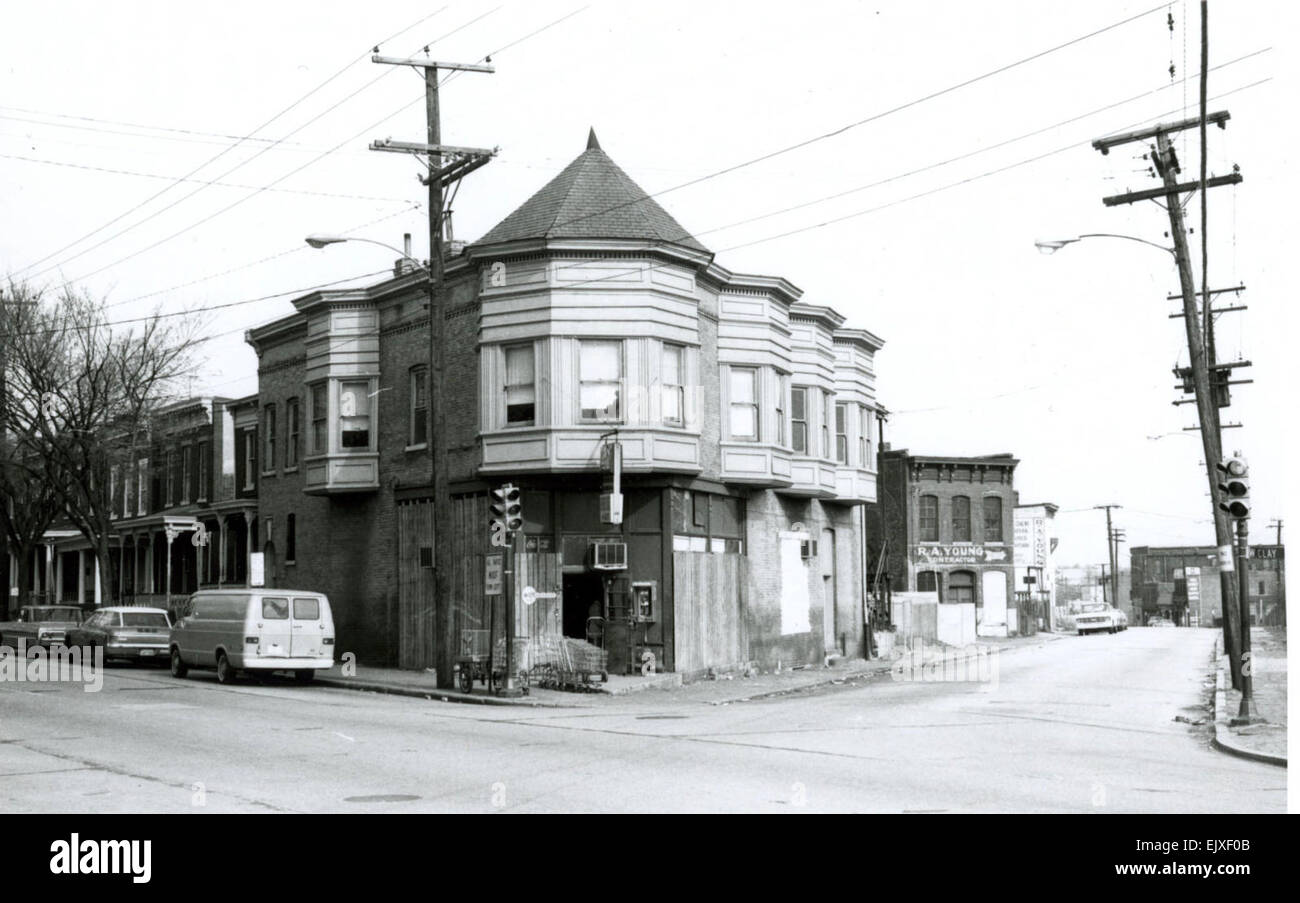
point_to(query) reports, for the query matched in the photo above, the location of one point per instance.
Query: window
(670, 381)
(126, 489)
(1261, 587)
(292, 426)
(205, 464)
(419, 406)
(842, 433)
(744, 403)
(782, 390)
(826, 424)
(291, 539)
(354, 415)
(171, 482)
(521, 387)
(268, 437)
(306, 609)
(864, 436)
(319, 420)
(250, 457)
(275, 609)
(601, 378)
(927, 582)
(992, 518)
(187, 473)
(928, 518)
(112, 490)
(961, 587)
(960, 519)
(142, 486)
(799, 420)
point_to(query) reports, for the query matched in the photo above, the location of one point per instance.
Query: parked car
(40, 625)
(257, 629)
(1157, 621)
(1098, 616)
(125, 631)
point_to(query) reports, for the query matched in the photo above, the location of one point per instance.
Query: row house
(183, 511)
(587, 331)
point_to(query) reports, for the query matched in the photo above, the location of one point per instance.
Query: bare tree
(88, 387)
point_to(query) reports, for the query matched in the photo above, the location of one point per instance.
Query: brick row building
(1181, 583)
(587, 320)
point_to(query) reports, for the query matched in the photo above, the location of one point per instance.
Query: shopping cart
(473, 662)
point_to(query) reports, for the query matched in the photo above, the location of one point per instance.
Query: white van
(257, 629)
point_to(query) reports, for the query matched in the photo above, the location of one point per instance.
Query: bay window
(670, 381)
(354, 414)
(799, 420)
(600, 377)
(521, 386)
(842, 433)
(743, 402)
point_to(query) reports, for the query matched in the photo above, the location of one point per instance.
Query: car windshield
(1097, 606)
(144, 619)
(56, 614)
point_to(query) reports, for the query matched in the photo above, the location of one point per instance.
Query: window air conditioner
(609, 556)
(808, 549)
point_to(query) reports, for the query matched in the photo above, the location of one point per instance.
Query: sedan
(125, 631)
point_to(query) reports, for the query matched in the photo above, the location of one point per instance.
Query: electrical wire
(205, 164)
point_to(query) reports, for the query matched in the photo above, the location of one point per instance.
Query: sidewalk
(654, 690)
(1265, 742)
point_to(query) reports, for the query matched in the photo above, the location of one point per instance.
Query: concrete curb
(1222, 736)
(435, 695)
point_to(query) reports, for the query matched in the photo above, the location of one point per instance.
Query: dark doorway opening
(584, 597)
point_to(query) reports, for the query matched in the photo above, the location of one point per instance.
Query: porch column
(98, 599)
(250, 524)
(171, 535)
(81, 576)
(148, 562)
(221, 550)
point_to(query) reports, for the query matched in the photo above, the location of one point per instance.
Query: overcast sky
(945, 169)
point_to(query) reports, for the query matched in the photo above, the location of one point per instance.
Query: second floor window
(928, 518)
(670, 381)
(142, 486)
(960, 519)
(521, 388)
(170, 466)
(319, 444)
(992, 519)
(250, 458)
(268, 436)
(354, 415)
(292, 426)
(744, 403)
(826, 424)
(187, 473)
(601, 377)
(782, 389)
(419, 406)
(864, 436)
(842, 433)
(291, 539)
(112, 491)
(799, 420)
(205, 464)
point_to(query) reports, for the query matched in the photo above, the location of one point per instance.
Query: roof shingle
(591, 198)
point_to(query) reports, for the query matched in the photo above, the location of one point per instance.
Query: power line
(207, 162)
(154, 175)
(872, 118)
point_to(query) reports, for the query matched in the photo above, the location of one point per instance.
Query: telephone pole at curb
(1111, 553)
(447, 166)
(1166, 164)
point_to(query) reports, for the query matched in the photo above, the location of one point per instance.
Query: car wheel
(304, 675)
(225, 673)
(466, 681)
(178, 666)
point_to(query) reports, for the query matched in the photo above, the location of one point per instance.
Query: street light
(319, 241)
(1051, 246)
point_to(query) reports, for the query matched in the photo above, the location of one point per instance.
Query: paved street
(1078, 724)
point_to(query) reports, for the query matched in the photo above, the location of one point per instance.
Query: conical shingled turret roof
(591, 198)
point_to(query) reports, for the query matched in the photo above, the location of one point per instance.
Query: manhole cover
(659, 717)
(382, 798)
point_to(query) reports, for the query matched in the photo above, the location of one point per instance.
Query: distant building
(945, 524)
(1182, 583)
(1035, 557)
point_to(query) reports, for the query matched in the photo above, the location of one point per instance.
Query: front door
(995, 597)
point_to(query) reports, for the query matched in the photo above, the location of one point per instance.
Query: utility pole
(1111, 553)
(1166, 164)
(447, 166)
(1116, 536)
(1276, 523)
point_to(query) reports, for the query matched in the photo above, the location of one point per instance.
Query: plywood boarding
(709, 626)
(415, 590)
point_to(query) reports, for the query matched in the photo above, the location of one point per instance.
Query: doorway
(584, 597)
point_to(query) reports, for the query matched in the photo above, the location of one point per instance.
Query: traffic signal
(1235, 483)
(507, 512)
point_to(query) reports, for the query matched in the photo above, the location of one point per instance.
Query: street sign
(493, 566)
(531, 595)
